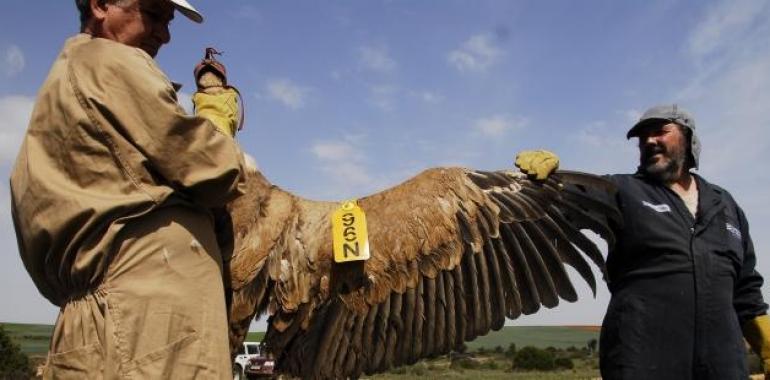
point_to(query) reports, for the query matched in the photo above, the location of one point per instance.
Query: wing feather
(429, 326)
(475, 319)
(404, 351)
(528, 288)
(394, 329)
(461, 313)
(451, 312)
(380, 337)
(484, 291)
(419, 319)
(368, 346)
(496, 286)
(355, 352)
(510, 287)
(552, 261)
(439, 331)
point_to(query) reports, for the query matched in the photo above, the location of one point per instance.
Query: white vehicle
(247, 352)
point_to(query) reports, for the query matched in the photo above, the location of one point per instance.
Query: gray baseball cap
(669, 113)
(188, 10)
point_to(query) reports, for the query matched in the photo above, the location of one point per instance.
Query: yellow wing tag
(351, 240)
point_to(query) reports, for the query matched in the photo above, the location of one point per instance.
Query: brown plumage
(453, 253)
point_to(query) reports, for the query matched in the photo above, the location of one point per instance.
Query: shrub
(592, 345)
(13, 363)
(498, 349)
(534, 358)
(419, 369)
(511, 352)
(564, 363)
(491, 364)
(465, 363)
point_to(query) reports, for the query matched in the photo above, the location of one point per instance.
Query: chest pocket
(725, 237)
(652, 228)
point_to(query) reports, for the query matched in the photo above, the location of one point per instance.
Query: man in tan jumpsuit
(112, 194)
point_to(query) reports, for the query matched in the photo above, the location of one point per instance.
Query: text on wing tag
(350, 237)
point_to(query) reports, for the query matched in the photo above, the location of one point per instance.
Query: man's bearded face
(663, 152)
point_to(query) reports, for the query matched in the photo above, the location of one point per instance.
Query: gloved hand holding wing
(215, 99)
(538, 164)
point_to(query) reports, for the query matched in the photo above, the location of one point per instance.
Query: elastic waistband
(83, 296)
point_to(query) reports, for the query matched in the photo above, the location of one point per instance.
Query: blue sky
(346, 98)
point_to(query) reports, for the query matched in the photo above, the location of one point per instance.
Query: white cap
(186, 9)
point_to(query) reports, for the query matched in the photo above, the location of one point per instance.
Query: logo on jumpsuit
(659, 208)
(733, 231)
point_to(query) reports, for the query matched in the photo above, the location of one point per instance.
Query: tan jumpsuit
(112, 194)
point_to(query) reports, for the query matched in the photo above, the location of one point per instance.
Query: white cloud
(730, 49)
(14, 60)
(376, 59)
(427, 96)
(334, 151)
(345, 162)
(726, 21)
(631, 116)
(15, 111)
(288, 93)
(383, 96)
(601, 147)
(476, 54)
(498, 125)
(248, 12)
(728, 93)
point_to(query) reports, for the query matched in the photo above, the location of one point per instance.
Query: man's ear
(98, 9)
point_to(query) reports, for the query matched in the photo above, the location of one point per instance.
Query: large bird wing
(453, 253)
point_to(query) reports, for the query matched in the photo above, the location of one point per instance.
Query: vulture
(453, 253)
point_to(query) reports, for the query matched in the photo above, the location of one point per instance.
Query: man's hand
(757, 333)
(538, 164)
(221, 107)
(215, 99)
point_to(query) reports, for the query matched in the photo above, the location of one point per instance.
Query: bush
(576, 353)
(13, 363)
(564, 363)
(511, 352)
(491, 364)
(498, 349)
(534, 358)
(465, 363)
(592, 345)
(419, 369)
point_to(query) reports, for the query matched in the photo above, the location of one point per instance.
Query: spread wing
(454, 252)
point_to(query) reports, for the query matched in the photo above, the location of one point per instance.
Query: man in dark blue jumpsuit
(684, 288)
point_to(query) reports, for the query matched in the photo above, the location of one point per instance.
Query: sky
(347, 98)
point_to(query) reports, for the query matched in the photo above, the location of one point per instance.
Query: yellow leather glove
(757, 333)
(537, 163)
(221, 107)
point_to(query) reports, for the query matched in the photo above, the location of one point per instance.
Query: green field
(34, 339)
(538, 336)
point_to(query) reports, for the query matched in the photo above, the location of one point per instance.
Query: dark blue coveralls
(681, 287)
